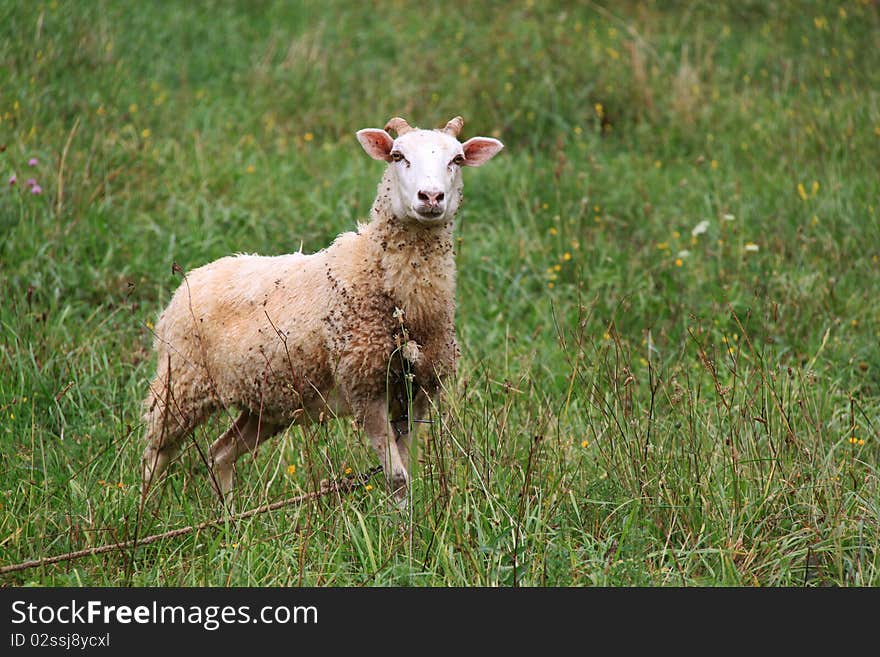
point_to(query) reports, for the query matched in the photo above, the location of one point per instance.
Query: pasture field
(667, 299)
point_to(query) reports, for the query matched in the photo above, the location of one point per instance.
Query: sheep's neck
(417, 265)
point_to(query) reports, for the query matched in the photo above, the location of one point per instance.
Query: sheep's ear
(479, 150)
(376, 142)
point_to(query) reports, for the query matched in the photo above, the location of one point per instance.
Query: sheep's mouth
(429, 213)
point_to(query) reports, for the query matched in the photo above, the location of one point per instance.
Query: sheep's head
(425, 166)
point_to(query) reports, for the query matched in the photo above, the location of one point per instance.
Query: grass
(640, 401)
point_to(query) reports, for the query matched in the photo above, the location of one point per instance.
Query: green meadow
(668, 286)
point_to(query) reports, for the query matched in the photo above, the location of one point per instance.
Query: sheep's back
(253, 325)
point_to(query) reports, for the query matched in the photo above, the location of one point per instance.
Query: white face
(425, 168)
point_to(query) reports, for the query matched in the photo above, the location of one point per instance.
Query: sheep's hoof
(399, 486)
(401, 503)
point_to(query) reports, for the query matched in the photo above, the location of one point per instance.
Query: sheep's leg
(153, 463)
(382, 436)
(245, 435)
(406, 430)
(167, 422)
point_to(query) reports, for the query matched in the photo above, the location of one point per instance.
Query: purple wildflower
(33, 162)
(31, 182)
(36, 189)
(12, 180)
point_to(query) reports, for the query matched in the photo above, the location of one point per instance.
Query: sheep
(347, 330)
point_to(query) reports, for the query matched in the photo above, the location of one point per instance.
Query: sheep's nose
(432, 199)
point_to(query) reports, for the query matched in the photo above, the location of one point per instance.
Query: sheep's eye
(458, 159)
(396, 156)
